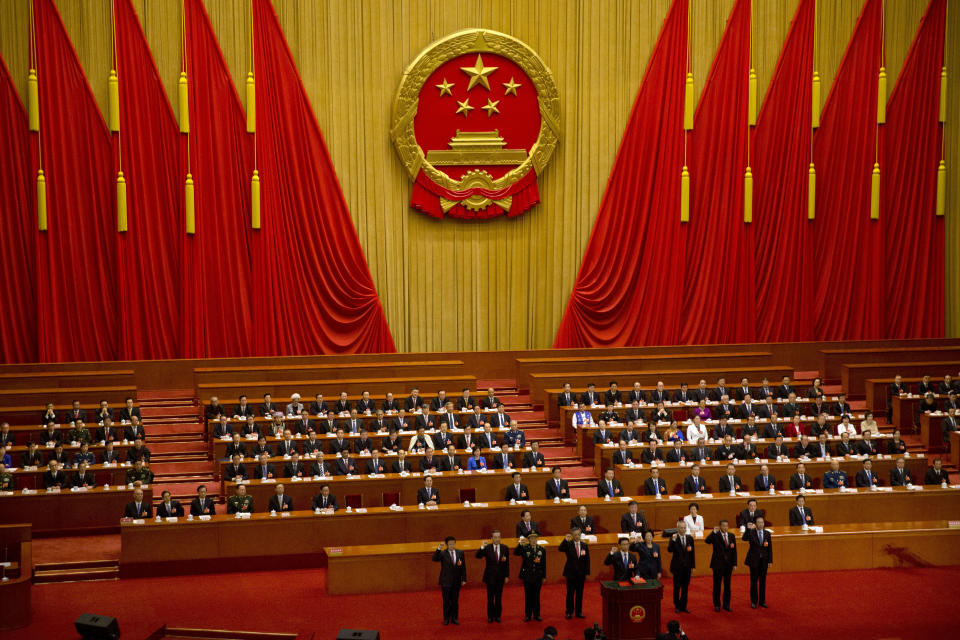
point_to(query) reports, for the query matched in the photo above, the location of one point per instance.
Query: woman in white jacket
(694, 520)
(696, 430)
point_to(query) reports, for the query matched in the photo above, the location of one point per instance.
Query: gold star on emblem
(510, 88)
(478, 74)
(491, 107)
(445, 88)
(465, 107)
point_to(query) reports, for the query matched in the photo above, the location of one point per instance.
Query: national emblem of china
(475, 121)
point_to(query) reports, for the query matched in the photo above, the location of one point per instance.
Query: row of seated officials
(52, 434)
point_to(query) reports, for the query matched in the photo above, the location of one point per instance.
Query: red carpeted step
(168, 428)
(579, 472)
(179, 447)
(806, 375)
(158, 412)
(76, 549)
(558, 452)
(167, 394)
(182, 490)
(497, 383)
(181, 467)
(537, 433)
(583, 492)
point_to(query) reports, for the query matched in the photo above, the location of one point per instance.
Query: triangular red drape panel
(307, 249)
(848, 288)
(624, 293)
(149, 255)
(76, 259)
(780, 159)
(910, 154)
(18, 221)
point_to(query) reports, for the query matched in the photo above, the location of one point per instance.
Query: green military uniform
(241, 504)
(81, 435)
(145, 476)
(7, 481)
(532, 572)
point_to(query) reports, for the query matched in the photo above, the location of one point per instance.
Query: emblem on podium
(637, 613)
(475, 121)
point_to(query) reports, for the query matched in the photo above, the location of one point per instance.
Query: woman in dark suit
(816, 389)
(648, 567)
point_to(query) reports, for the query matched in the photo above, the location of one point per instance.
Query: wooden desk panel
(91, 511)
(32, 478)
(673, 474)
(300, 372)
(838, 547)
(228, 544)
(931, 432)
(832, 360)
(15, 591)
(39, 398)
(490, 487)
(854, 376)
(281, 391)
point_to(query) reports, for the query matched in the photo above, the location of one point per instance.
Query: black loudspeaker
(358, 634)
(91, 626)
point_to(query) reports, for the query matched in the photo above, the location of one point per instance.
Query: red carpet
(859, 605)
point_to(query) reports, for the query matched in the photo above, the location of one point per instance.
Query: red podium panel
(631, 612)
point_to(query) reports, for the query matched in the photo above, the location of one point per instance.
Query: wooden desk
(489, 486)
(93, 511)
(65, 379)
(15, 610)
(16, 453)
(281, 391)
(851, 546)
(931, 432)
(39, 397)
(298, 372)
(636, 362)
(955, 448)
(228, 544)
(854, 377)
(832, 360)
(876, 389)
(632, 478)
(32, 478)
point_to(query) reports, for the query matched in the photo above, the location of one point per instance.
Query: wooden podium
(631, 612)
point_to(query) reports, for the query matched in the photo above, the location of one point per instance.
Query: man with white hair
(295, 407)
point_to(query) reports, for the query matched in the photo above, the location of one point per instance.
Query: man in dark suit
(319, 406)
(453, 575)
(609, 486)
(651, 453)
(202, 505)
(636, 394)
(75, 414)
(866, 477)
(401, 464)
(390, 403)
(489, 401)
(242, 410)
(602, 435)
(785, 388)
(533, 459)
(764, 481)
(801, 479)
(582, 521)
(590, 397)
(759, 558)
(682, 395)
(567, 397)
(900, 476)
(294, 468)
(168, 507)
(450, 461)
(700, 452)
(502, 460)
(413, 401)
(936, 475)
(235, 470)
(751, 513)
(83, 477)
(427, 495)
(496, 572)
(613, 395)
(744, 390)
(633, 520)
(325, 500)
(676, 454)
(718, 394)
(694, 483)
(575, 570)
(778, 449)
(681, 565)
(268, 408)
(622, 455)
(897, 388)
(946, 386)
(730, 482)
(624, 563)
(365, 405)
(654, 484)
(280, 501)
(800, 514)
(517, 490)
(264, 470)
(701, 392)
(557, 487)
(866, 446)
(527, 525)
(722, 562)
(138, 508)
(53, 477)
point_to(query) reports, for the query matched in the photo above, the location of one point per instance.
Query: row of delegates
(33, 457)
(78, 433)
(75, 414)
(364, 405)
(56, 478)
(613, 395)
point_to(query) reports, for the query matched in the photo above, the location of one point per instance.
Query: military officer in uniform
(533, 573)
(240, 502)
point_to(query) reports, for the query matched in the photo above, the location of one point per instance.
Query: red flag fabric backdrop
(76, 258)
(18, 219)
(780, 159)
(149, 255)
(848, 293)
(623, 292)
(914, 243)
(719, 276)
(307, 249)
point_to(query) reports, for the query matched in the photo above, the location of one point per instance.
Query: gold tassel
(685, 195)
(816, 100)
(882, 96)
(811, 192)
(875, 193)
(255, 199)
(942, 188)
(113, 95)
(33, 101)
(748, 196)
(752, 98)
(183, 95)
(121, 202)
(251, 104)
(190, 205)
(943, 94)
(41, 201)
(688, 103)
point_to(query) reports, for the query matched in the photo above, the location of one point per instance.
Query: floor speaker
(91, 626)
(358, 634)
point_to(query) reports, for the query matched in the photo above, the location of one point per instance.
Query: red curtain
(848, 292)
(76, 290)
(18, 220)
(217, 298)
(149, 255)
(780, 160)
(719, 276)
(624, 293)
(914, 241)
(307, 249)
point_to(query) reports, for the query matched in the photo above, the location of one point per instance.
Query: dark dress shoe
(728, 609)
(497, 619)
(763, 604)
(676, 610)
(580, 615)
(568, 615)
(684, 610)
(489, 619)
(446, 622)
(753, 605)
(526, 619)
(455, 621)
(538, 618)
